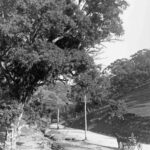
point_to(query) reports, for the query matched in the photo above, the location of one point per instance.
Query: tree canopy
(43, 39)
(127, 74)
(43, 104)
(92, 83)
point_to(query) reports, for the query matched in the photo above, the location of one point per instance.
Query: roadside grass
(137, 120)
(138, 101)
(140, 126)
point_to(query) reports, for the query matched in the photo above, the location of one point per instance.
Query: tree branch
(57, 39)
(81, 4)
(61, 37)
(34, 34)
(5, 74)
(4, 53)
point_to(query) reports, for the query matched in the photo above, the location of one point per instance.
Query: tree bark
(85, 114)
(58, 118)
(15, 130)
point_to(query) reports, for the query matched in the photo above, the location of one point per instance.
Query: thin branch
(62, 80)
(34, 34)
(61, 37)
(81, 4)
(4, 53)
(111, 40)
(5, 74)
(57, 39)
(40, 83)
(6, 71)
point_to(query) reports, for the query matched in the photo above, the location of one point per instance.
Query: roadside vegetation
(47, 69)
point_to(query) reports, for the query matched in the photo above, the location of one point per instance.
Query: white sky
(137, 33)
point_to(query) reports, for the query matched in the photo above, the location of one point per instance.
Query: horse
(124, 143)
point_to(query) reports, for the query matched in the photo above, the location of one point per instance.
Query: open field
(138, 101)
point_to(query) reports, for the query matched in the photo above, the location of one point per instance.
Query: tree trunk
(85, 115)
(15, 130)
(58, 118)
(6, 136)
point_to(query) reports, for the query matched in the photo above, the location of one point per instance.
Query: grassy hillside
(138, 101)
(99, 122)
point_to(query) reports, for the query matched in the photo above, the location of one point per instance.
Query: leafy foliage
(8, 110)
(45, 102)
(94, 84)
(118, 109)
(127, 74)
(43, 39)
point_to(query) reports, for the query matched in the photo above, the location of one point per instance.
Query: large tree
(47, 40)
(43, 39)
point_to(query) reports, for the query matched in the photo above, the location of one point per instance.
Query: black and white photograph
(74, 74)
